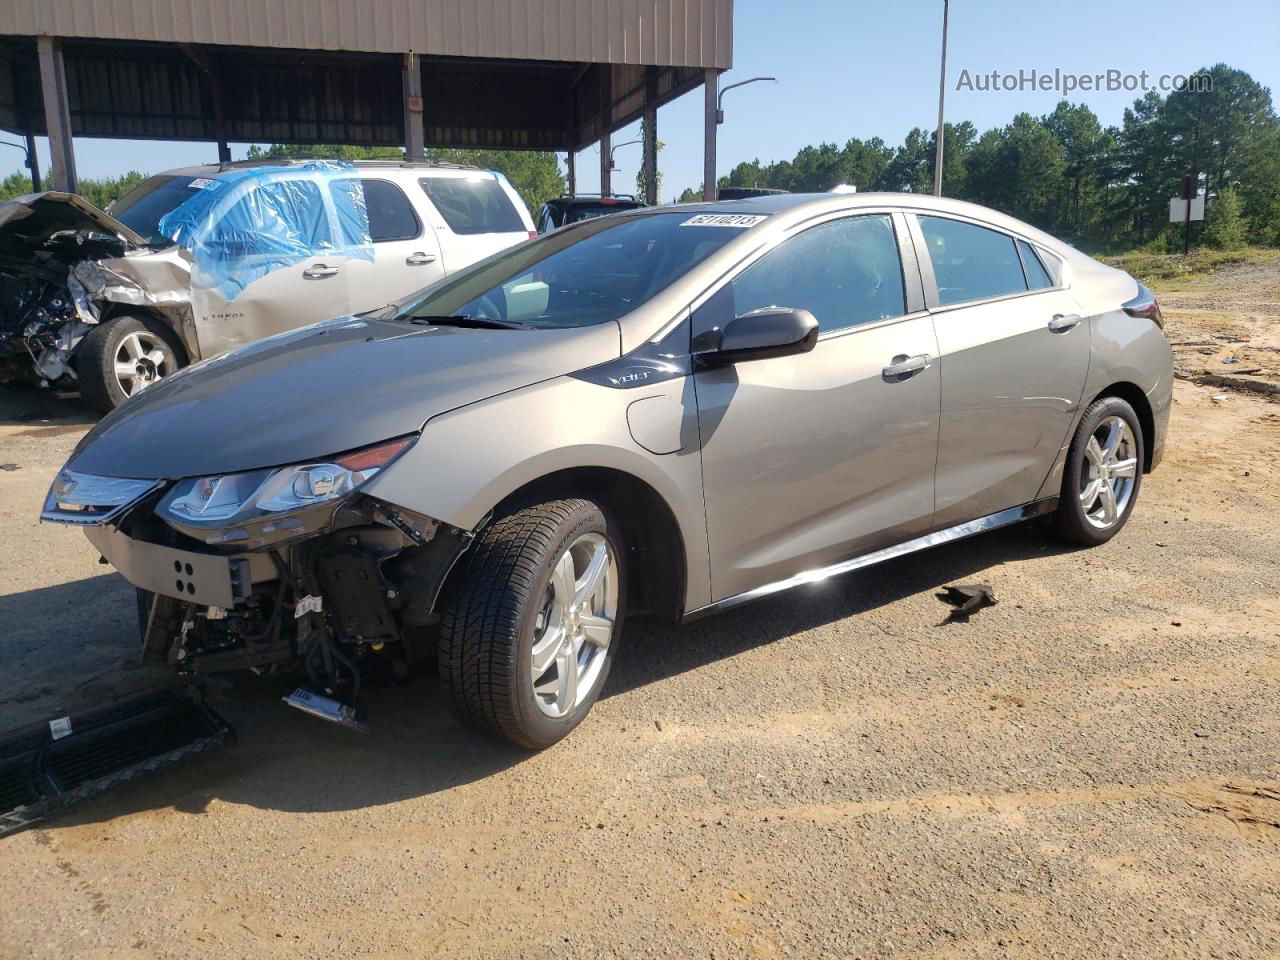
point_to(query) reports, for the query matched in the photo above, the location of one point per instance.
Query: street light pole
(29, 150)
(724, 90)
(942, 95)
(625, 143)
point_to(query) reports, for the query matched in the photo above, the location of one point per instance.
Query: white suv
(196, 261)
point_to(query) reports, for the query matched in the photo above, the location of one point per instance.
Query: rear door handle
(904, 367)
(419, 259)
(1062, 322)
(319, 272)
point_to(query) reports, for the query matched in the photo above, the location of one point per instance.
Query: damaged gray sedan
(675, 410)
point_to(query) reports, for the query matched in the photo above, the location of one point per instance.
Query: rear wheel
(1103, 474)
(530, 623)
(123, 356)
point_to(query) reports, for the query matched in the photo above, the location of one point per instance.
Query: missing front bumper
(46, 770)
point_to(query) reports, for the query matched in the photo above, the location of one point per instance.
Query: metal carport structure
(495, 74)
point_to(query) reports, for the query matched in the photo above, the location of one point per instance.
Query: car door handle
(904, 367)
(319, 272)
(1062, 322)
(419, 259)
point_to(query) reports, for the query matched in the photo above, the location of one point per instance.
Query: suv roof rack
(597, 196)
(377, 162)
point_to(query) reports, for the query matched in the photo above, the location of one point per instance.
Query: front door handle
(419, 259)
(319, 272)
(1062, 322)
(904, 367)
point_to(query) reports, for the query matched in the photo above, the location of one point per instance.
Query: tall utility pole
(942, 95)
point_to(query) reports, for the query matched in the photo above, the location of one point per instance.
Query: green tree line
(1102, 188)
(99, 192)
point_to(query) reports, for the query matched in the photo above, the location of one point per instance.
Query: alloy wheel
(141, 359)
(1108, 472)
(574, 625)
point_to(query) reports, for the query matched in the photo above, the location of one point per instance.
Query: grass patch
(1173, 271)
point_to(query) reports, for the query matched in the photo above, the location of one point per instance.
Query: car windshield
(588, 274)
(142, 207)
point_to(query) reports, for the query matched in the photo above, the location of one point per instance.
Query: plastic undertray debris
(46, 770)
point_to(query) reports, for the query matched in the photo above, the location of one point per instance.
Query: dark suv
(562, 210)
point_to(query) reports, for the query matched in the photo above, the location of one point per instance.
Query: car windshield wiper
(469, 320)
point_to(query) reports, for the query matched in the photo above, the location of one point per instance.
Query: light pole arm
(625, 143)
(740, 83)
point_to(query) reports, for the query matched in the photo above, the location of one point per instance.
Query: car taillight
(533, 234)
(1144, 305)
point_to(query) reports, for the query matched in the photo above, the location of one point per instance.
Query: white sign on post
(1178, 209)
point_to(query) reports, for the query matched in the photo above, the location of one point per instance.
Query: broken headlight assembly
(275, 503)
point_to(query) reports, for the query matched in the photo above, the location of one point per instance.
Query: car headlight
(239, 498)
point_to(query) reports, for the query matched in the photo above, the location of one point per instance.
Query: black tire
(1070, 522)
(491, 608)
(100, 388)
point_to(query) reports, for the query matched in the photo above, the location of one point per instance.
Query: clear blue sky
(857, 69)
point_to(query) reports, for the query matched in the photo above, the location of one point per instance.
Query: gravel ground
(1088, 769)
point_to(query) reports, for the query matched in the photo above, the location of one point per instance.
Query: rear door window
(390, 215)
(471, 205)
(971, 262)
(1037, 276)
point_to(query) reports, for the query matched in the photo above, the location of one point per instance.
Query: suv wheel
(124, 356)
(530, 622)
(1102, 476)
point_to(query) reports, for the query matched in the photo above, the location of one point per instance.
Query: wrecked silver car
(197, 261)
(675, 410)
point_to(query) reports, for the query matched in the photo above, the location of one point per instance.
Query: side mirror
(759, 335)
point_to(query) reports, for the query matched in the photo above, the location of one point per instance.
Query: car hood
(36, 217)
(322, 390)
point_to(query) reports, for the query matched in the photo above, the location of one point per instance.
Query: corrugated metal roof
(688, 33)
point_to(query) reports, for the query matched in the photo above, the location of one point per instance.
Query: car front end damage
(64, 267)
(285, 571)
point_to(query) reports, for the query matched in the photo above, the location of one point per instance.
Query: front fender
(470, 459)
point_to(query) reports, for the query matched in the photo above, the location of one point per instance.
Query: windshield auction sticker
(724, 220)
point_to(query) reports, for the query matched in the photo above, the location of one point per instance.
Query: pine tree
(1224, 223)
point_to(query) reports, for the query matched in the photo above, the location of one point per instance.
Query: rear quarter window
(473, 205)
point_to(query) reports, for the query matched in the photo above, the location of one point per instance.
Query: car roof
(213, 170)
(794, 207)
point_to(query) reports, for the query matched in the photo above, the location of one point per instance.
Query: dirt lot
(1089, 769)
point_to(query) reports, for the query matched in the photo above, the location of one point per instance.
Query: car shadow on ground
(287, 761)
(26, 405)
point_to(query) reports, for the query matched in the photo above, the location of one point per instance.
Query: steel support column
(651, 135)
(572, 166)
(606, 129)
(414, 132)
(710, 83)
(57, 115)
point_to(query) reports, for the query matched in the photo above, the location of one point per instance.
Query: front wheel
(1102, 476)
(530, 623)
(123, 356)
